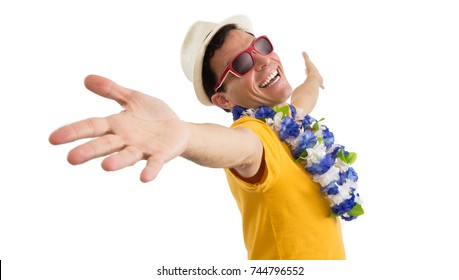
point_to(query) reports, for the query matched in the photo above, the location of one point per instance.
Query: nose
(260, 61)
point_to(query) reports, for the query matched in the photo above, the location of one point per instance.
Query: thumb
(151, 170)
(311, 69)
(307, 62)
(306, 58)
(108, 89)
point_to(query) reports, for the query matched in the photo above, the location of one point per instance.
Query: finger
(151, 170)
(309, 65)
(124, 158)
(306, 57)
(107, 88)
(98, 147)
(92, 127)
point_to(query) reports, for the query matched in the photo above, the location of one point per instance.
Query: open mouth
(271, 80)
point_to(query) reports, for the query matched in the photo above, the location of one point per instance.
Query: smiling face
(265, 84)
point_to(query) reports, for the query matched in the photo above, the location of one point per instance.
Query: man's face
(265, 84)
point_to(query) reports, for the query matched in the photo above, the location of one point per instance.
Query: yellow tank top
(284, 216)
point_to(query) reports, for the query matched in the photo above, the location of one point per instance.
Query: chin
(285, 97)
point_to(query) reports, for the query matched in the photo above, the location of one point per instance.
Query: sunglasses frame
(230, 68)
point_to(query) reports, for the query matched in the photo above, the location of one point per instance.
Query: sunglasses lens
(243, 63)
(263, 46)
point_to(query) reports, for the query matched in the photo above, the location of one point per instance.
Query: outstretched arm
(305, 95)
(147, 129)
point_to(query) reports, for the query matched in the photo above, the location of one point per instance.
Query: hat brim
(242, 22)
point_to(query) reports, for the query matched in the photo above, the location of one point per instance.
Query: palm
(147, 129)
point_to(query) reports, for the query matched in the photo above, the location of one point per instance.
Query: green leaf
(315, 127)
(357, 210)
(333, 215)
(302, 156)
(284, 110)
(351, 157)
(341, 155)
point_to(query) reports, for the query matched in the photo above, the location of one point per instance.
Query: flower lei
(312, 144)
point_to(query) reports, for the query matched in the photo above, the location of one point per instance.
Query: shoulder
(273, 147)
(260, 128)
(257, 126)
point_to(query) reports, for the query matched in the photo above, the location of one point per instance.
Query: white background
(390, 71)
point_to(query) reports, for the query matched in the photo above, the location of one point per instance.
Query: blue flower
(350, 174)
(289, 128)
(322, 166)
(328, 137)
(237, 112)
(331, 188)
(344, 206)
(350, 218)
(342, 178)
(308, 120)
(334, 153)
(264, 112)
(293, 111)
(308, 140)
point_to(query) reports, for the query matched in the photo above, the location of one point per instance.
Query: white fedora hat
(194, 47)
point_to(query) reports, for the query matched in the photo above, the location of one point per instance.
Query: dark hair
(209, 78)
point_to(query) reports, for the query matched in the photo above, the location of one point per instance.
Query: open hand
(147, 129)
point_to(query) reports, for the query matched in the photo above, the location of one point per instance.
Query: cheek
(235, 91)
(236, 85)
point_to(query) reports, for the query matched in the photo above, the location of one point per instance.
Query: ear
(220, 100)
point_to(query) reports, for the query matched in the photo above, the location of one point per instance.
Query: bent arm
(305, 95)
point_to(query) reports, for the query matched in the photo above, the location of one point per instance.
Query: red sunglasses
(243, 62)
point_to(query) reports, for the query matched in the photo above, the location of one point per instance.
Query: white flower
(331, 175)
(318, 133)
(344, 192)
(358, 200)
(249, 113)
(316, 153)
(343, 167)
(294, 142)
(276, 122)
(300, 114)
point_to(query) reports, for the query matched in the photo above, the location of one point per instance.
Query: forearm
(217, 146)
(305, 96)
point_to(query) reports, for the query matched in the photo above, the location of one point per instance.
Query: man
(283, 211)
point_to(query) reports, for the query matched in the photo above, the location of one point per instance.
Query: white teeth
(266, 82)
